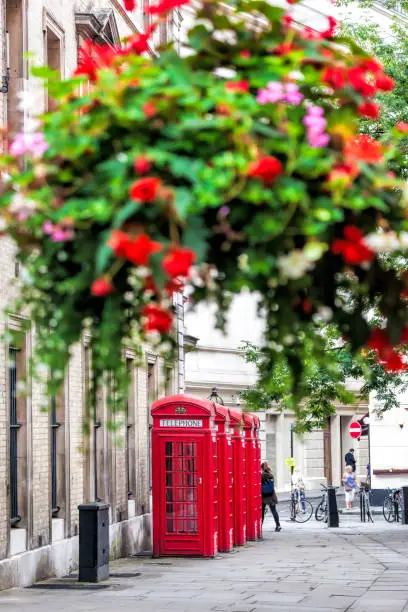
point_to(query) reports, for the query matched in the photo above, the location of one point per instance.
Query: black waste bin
(332, 511)
(93, 542)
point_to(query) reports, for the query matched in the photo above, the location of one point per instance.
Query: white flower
(382, 242)
(22, 207)
(29, 101)
(403, 240)
(5, 177)
(142, 272)
(243, 262)
(294, 265)
(3, 224)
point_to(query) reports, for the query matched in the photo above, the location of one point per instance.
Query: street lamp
(214, 397)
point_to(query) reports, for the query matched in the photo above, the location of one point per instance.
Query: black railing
(54, 468)
(14, 427)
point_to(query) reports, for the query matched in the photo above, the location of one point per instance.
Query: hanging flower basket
(235, 165)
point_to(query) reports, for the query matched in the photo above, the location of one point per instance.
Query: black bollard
(332, 511)
(404, 505)
(362, 506)
(93, 542)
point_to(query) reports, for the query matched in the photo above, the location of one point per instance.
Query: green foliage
(200, 124)
(323, 385)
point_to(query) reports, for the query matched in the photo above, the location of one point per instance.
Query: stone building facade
(48, 466)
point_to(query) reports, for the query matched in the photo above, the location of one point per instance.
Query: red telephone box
(251, 478)
(258, 489)
(225, 497)
(239, 478)
(184, 489)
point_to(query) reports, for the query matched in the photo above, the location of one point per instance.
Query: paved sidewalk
(304, 568)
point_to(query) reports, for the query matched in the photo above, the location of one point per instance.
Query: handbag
(268, 487)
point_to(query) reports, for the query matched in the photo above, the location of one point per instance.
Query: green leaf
(184, 200)
(124, 213)
(103, 255)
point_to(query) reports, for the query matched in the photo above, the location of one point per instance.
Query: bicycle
(392, 506)
(365, 506)
(300, 508)
(321, 509)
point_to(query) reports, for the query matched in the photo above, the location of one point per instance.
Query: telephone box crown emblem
(180, 410)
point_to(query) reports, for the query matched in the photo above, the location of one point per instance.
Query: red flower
(130, 5)
(379, 341)
(284, 48)
(102, 287)
(141, 248)
(245, 54)
(157, 319)
(165, 6)
(138, 250)
(142, 165)
(331, 29)
(394, 363)
(287, 21)
(335, 77)
(149, 109)
(383, 82)
(178, 261)
(352, 248)
(363, 148)
(402, 127)
(369, 109)
(145, 189)
(119, 242)
(360, 80)
(92, 57)
(237, 86)
(344, 174)
(266, 168)
(174, 286)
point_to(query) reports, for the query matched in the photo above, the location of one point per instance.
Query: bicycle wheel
(303, 511)
(388, 510)
(320, 511)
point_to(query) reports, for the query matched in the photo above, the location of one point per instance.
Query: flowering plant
(237, 165)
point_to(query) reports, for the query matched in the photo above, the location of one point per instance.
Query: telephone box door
(181, 496)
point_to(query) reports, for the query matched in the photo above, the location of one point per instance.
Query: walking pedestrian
(269, 497)
(350, 486)
(349, 459)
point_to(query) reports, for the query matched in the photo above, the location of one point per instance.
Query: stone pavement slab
(307, 568)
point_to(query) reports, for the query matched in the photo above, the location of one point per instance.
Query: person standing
(269, 497)
(350, 486)
(349, 459)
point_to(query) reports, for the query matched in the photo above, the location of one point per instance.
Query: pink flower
(315, 123)
(33, 144)
(280, 92)
(293, 95)
(58, 232)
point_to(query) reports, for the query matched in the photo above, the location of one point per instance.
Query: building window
(130, 450)
(57, 424)
(15, 38)
(18, 445)
(53, 51)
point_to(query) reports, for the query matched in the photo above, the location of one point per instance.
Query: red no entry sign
(355, 429)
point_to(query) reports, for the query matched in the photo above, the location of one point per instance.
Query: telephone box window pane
(181, 488)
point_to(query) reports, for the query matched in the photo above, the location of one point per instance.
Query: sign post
(355, 429)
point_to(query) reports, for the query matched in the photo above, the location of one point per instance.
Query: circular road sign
(355, 429)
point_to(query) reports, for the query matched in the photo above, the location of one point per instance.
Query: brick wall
(39, 524)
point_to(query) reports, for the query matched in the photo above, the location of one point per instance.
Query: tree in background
(322, 387)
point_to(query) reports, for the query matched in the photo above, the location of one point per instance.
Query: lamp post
(291, 452)
(214, 397)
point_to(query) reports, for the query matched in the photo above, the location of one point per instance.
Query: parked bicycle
(392, 506)
(321, 510)
(300, 508)
(365, 505)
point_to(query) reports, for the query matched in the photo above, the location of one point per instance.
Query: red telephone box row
(206, 477)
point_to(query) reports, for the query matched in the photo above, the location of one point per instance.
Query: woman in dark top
(269, 499)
